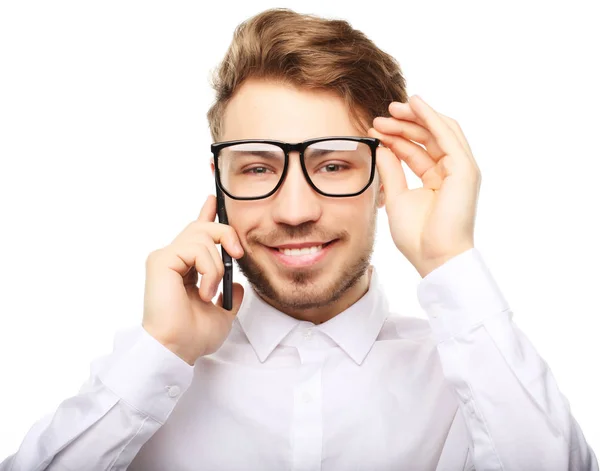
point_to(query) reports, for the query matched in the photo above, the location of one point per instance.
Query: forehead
(263, 109)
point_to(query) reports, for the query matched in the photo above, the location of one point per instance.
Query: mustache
(285, 233)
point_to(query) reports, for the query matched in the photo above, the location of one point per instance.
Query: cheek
(244, 218)
(356, 219)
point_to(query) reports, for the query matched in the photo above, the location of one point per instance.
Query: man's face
(296, 213)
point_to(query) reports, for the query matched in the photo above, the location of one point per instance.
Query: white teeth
(302, 251)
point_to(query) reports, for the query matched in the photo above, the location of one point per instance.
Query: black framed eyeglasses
(336, 166)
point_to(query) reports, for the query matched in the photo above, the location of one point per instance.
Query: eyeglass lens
(335, 167)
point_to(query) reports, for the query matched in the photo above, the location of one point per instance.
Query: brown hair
(308, 52)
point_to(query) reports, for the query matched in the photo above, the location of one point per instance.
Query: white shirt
(366, 390)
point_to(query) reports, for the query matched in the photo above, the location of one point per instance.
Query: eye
(331, 167)
(260, 170)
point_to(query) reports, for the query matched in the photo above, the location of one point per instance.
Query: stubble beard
(300, 291)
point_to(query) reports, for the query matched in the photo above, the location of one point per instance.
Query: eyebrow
(318, 152)
(262, 153)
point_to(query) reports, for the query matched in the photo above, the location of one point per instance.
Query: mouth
(304, 257)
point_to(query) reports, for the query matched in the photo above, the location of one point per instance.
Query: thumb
(237, 296)
(390, 171)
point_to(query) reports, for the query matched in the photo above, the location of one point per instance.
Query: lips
(302, 260)
(301, 245)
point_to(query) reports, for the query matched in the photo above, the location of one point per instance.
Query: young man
(310, 370)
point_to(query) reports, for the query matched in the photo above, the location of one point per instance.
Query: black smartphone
(227, 263)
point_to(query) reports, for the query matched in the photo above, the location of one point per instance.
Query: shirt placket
(307, 422)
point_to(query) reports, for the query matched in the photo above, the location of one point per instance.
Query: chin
(305, 287)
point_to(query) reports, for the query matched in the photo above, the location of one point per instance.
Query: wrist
(182, 353)
(427, 266)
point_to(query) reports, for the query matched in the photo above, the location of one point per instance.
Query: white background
(104, 149)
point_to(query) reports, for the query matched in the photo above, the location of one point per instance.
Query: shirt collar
(354, 330)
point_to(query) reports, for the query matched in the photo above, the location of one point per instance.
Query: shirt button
(173, 391)
(308, 334)
(306, 397)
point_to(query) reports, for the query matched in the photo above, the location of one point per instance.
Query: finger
(409, 130)
(217, 259)
(205, 266)
(191, 258)
(212, 233)
(404, 111)
(191, 278)
(391, 172)
(443, 134)
(417, 159)
(222, 234)
(182, 258)
(208, 213)
(459, 133)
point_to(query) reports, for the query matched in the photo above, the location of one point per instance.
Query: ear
(212, 166)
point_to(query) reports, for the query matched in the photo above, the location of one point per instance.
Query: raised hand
(436, 222)
(177, 312)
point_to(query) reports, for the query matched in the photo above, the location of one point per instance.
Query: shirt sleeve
(128, 396)
(516, 416)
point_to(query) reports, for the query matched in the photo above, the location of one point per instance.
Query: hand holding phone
(177, 312)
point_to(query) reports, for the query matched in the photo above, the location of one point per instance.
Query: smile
(304, 257)
(302, 251)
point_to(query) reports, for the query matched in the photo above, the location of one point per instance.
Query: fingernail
(238, 248)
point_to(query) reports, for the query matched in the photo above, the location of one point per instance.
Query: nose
(296, 202)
